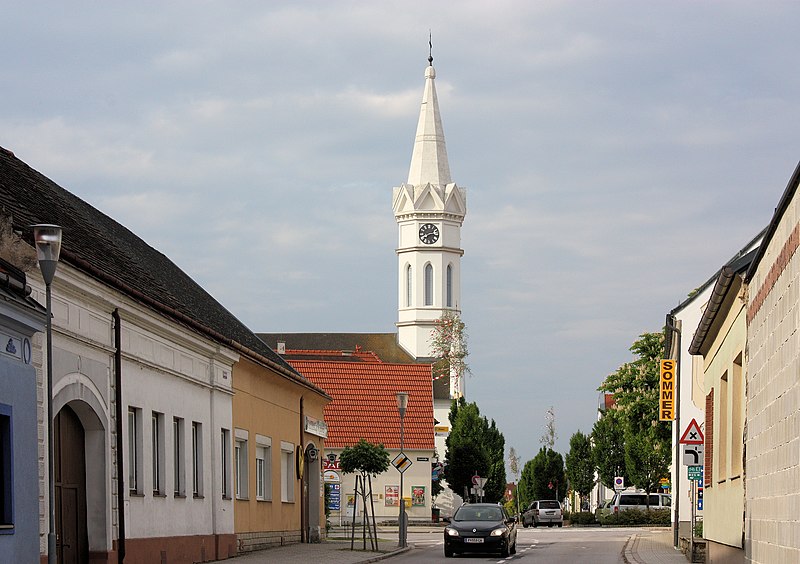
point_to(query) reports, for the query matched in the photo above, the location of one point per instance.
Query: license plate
(473, 539)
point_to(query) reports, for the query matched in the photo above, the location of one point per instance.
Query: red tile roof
(365, 402)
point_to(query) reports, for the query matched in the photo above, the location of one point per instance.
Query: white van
(623, 501)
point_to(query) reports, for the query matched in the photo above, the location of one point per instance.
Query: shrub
(582, 518)
(637, 517)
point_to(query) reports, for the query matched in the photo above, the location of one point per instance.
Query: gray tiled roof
(108, 251)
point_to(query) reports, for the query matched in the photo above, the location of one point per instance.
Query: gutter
(120, 441)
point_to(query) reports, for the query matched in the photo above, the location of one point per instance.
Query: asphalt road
(570, 544)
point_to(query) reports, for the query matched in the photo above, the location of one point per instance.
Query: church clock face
(428, 233)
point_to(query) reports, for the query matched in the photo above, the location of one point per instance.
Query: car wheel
(560, 525)
(524, 524)
(549, 525)
(448, 552)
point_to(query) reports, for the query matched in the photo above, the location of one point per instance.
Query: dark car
(543, 512)
(481, 527)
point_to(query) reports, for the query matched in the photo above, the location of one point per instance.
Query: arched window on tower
(449, 289)
(409, 285)
(428, 285)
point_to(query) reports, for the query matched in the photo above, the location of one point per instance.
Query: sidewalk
(652, 546)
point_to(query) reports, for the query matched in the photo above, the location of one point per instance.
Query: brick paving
(652, 546)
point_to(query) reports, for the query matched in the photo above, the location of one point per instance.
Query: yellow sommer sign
(666, 401)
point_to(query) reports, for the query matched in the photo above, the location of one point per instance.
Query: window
(240, 463)
(428, 285)
(708, 467)
(409, 285)
(6, 470)
(449, 289)
(157, 441)
(178, 457)
(135, 450)
(197, 459)
(263, 468)
(287, 472)
(225, 460)
(722, 440)
(737, 428)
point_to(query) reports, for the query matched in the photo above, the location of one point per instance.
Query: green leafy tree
(580, 467)
(365, 458)
(635, 385)
(608, 452)
(525, 487)
(550, 480)
(474, 445)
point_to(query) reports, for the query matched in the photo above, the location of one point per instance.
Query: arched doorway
(69, 446)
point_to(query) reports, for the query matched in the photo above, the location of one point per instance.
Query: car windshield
(468, 513)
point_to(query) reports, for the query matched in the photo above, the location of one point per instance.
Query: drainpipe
(303, 515)
(674, 326)
(120, 441)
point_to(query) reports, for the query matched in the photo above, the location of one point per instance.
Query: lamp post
(402, 404)
(48, 247)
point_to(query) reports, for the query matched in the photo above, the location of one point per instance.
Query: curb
(385, 556)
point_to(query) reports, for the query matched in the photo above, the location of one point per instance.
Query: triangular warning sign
(692, 435)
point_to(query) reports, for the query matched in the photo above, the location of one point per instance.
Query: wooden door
(72, 543)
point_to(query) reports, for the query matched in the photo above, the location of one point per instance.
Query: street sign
(693, 455)
(475, 479)
(481, 482)
(401, 462)
(666, 402)
(619, 483)
(692, 435)
(695, 472)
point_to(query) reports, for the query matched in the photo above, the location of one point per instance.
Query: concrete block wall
(772, 487)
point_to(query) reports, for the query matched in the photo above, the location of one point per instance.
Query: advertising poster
(351, 505)
(417, 495)
(392, 496)
(334, 496)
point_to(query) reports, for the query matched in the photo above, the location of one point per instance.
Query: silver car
(543, 512)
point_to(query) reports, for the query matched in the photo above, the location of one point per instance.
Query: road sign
(692, 435)
(619, 483)
(666, 402)
(475, 479)
(693, 455)
(401, 462)
(695, 472)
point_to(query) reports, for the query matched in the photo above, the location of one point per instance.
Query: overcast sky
(615, 154)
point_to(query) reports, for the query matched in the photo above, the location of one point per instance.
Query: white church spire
(429, 163)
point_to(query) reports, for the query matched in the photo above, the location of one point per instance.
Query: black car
(481, 527)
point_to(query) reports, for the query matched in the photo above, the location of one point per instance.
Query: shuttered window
(708, 470)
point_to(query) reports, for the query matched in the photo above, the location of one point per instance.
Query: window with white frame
(428, 284)
(157, 444)
(225, 461)
(263, 468)
(135, 450)
(178, 457)
(197, 459)
(287, 472)
(240, 464)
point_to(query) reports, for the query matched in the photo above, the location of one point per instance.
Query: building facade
(772, 422)
(20, 319)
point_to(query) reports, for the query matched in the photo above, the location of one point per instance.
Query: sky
(615, 155)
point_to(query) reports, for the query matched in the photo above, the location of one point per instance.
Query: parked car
(623, 501)
(543, 512)
(603, 509)
(481, 527)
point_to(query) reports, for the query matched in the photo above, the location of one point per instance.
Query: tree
(635, 385)
(13, 249)
(543, 477)
(513, 465)
(580, 467)
(449, 347)
(608, 452)
(549, 437)
(368, 460)
(474, 445)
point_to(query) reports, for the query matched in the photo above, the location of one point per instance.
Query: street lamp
(402, 404)
(48, 247)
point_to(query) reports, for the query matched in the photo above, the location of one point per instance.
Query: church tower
(429, 209)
